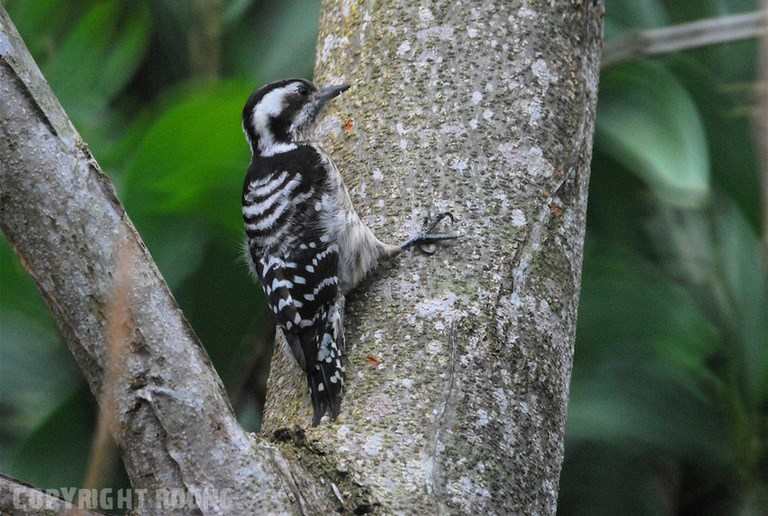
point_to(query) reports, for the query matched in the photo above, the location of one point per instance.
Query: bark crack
(434, 481)
(30, 95)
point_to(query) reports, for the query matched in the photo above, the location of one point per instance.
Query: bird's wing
(298, 270)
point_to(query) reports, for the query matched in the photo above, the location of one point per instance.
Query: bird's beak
(329, 92)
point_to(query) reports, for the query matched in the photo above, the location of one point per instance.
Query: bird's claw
(426, 240)
(430, 228)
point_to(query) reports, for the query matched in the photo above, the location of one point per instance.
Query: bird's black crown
(276, 115)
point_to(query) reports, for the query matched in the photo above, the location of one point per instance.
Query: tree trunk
(459, 363)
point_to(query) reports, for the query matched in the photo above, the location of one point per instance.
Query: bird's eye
(302, 90)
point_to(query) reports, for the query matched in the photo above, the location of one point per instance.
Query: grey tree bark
(15, 494)
(459, 364)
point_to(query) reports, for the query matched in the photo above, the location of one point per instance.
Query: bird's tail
(326, 375)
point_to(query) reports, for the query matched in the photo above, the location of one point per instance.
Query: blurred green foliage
(669, 396)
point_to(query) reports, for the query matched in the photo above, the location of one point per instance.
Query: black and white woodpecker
(306, 244)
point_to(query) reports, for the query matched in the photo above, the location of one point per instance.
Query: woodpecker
(305, 243)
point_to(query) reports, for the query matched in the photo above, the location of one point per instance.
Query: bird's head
(279, 114)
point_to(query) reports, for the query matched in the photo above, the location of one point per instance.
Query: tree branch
(172, 420)
(458, 364)
(685, 36)
(20, 498)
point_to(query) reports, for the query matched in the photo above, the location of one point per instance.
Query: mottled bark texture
(169, 413)
(459, 363)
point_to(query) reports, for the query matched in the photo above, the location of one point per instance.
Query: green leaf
(648, 405)
(17, 289)
(177, 245)
(630, 306)
(716, 255)
(641, 374)
(36, 373)
(127, 49)
(192, 159)
(739, 257)
(734, 159)
(648, 122)
(36, 369)
(77, 63)
(56, 453)
(97, 57)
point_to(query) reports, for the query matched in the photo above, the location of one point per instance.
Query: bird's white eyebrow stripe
(271, 105)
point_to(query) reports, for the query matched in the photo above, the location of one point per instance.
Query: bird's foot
(427, 239)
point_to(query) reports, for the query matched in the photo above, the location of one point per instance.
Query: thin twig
(685, 36)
